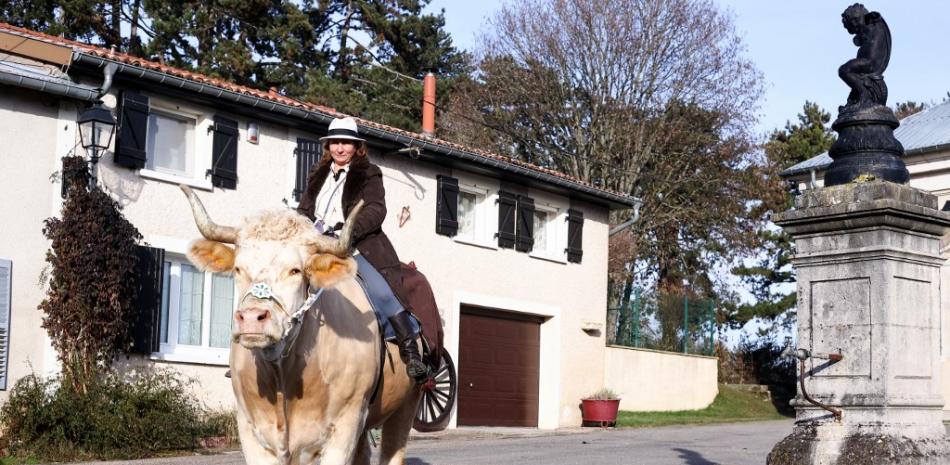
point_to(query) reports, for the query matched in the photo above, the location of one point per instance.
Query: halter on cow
(305, 352)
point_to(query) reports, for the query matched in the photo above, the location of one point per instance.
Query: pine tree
(795, 143)
(382, 51)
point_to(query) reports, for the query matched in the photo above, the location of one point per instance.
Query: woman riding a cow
(342, 177)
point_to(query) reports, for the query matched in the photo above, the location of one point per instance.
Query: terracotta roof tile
(278, 98)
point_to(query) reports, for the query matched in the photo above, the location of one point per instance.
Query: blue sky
(799, 45)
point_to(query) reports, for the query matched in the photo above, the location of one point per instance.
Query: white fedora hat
(343, 128)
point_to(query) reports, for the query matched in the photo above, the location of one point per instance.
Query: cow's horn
(346, 235)
(338, 246)
(208, 228)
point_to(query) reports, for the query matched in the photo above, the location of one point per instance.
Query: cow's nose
(253, 314)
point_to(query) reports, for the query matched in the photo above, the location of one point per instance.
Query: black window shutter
(575, 235)
(506, 219)
(447, 206)
(308, 152)
(524, 239)
(133, 130)
(144, 322)
(224, 153)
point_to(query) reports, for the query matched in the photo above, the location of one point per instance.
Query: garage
(499, 354)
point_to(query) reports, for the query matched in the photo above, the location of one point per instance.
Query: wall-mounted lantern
(96, 127)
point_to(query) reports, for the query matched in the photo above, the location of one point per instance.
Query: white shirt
(329, 207)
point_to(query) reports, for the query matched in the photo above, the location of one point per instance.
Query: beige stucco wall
(649, 380)
(32, 144)
(570, 297)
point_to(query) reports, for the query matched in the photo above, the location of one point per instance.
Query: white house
(926, 140)
(518, 263)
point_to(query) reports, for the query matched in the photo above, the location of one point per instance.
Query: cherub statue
(864, 74)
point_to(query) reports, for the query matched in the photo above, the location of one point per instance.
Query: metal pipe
(428, 105)
(325, 118)
(62, 89)
(108, 73)
(633, 219)
(802, 355)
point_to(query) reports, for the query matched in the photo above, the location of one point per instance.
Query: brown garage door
(498, 368)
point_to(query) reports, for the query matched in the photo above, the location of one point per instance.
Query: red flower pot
(601, 411)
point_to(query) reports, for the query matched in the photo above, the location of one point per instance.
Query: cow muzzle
(255, 327)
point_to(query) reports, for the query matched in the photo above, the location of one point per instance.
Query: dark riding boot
(408, 349)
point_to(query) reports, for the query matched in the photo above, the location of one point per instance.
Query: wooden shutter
(133, 130)
(524, 237)
(145, 320)
(447, 206)
(307, 152)
(224, 153)
(506, 219)
(575, 235)
(6, 289)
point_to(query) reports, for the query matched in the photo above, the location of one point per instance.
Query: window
(197, 309)
(474, 216)
(541, 220)
(467, 203)
(170, 143)
(549, 232)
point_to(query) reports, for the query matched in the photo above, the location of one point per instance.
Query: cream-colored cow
(303, 371)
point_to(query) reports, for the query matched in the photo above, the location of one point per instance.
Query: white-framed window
(170, 143)
(476, 225)
(550, 232)
(174, 145)
(197, 313)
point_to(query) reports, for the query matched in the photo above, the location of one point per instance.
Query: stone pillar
(868, 267)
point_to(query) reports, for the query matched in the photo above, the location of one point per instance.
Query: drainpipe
(428, 105)
(633, 219)
(107, 74)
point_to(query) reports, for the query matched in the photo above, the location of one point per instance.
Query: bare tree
(646, 97)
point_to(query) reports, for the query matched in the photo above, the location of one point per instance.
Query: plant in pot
(600, 408)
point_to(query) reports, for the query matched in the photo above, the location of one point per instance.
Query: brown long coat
(363, 181)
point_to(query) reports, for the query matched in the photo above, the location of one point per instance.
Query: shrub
(603, 394)
(124, 416)
(91, 256)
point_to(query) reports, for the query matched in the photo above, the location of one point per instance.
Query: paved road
(732, 444)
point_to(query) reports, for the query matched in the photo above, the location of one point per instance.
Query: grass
(18, 461)
(731, 405)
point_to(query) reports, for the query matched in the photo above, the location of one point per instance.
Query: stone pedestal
(867, 263)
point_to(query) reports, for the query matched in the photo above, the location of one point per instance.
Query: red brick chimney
(428, 105)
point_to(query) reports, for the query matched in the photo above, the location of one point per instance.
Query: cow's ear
(211, 255)
(326, 270)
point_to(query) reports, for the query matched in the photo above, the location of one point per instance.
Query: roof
(921, 132)
(84, 52)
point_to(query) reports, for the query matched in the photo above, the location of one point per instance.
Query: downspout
(633, 219)
(107, 74)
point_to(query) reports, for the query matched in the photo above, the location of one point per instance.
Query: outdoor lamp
(96, 126)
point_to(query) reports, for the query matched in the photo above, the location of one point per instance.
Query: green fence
(664, 321)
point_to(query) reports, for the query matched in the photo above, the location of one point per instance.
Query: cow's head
(274, 258)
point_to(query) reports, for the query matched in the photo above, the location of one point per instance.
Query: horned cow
(305, 364)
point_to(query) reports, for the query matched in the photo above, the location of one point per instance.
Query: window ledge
(548, 258)
(203, 184)
(476, 243)
(192, 354)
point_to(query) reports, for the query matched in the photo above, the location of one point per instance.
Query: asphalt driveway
(728, 444)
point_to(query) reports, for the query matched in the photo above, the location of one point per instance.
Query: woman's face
(342, 150)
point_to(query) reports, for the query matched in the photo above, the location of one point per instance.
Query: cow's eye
(237, 270)
(294, 271)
